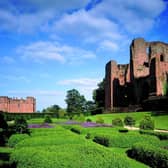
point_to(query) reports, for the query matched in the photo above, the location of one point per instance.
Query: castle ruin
(15, 105)
(144, 77)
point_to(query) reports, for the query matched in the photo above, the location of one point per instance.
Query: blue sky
(50, 46)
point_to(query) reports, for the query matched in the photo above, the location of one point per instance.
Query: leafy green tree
(75, 102)
(90, 106)
(21, 125)
(99, 94)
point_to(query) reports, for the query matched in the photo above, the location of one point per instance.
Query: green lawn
(161, 122)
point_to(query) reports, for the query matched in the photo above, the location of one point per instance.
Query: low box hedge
(160, 135)
(150, 155)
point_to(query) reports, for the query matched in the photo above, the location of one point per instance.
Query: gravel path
(135, 128)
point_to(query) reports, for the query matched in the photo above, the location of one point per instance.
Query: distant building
(15, 105)
(144, 77)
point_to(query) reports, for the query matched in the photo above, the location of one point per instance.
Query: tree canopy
(75, 101)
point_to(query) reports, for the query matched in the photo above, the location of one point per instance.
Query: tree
(75, 102)
(99, 96)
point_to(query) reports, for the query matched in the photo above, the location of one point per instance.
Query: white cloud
(84, 85)
(47, 50)
(29, 16)
(80, 82)
(135, 16)
(109, 45)
(7, 60)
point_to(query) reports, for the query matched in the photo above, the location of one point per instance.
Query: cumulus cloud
(134, 16)
(29, 15)
(47, 50)
(84, 85)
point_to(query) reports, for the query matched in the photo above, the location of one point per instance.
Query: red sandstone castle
(15, 105)
(144, 77)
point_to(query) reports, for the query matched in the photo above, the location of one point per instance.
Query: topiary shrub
(130, 121)
(21, 126)
(117, 122)
(88, 136)
(88, 120)
(99, 120)
(16, 138)
(147, 123)
(47, 119)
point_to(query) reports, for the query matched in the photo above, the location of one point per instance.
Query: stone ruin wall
(15, 105)
(146, 72)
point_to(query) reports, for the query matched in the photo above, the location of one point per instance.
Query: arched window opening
(161, 58)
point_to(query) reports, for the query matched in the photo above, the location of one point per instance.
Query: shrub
(160, 135)
(47, 119)
(16, 138)
(102, 140)
(88, 136)
(130, 121)
(117, 122)
(147, 123)
(21, 125)
(76, 130)
(150, 155)
(125, 140)
(100, 120)
(79, 155)
(88, 120)
(124, 130)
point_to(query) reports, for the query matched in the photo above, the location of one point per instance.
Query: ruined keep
(128, 85)
(15, 105)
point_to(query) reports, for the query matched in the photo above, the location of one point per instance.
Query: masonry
(144, 77)
(15, 105)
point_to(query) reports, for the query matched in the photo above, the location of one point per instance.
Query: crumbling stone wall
(143, 77)
(15, 105)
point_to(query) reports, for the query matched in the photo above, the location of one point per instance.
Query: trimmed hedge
(16, 138)
(68, 156)
(117, 122)
(124, 140)
(123, 130)
(150, 155)
(160, 135)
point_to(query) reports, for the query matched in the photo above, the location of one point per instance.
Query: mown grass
(160, 121)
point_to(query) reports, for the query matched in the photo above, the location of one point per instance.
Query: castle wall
(15, 105)
(143, 77)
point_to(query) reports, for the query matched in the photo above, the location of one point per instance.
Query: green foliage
(123, 130)
(88, 120)
(16, 138)
(75, 101)
(79, 117)
(102, 140)
(21, 125)
(47, 119)
(130, 121)
(150, 155)
(3, 130)
(62, 113)
(67, 150)
(147, 123)
(165, 88)
(99, 120)
(99, 95)
(160, 135)
(76, 130)
(78, 155)
(126, 140)
(117, 122)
